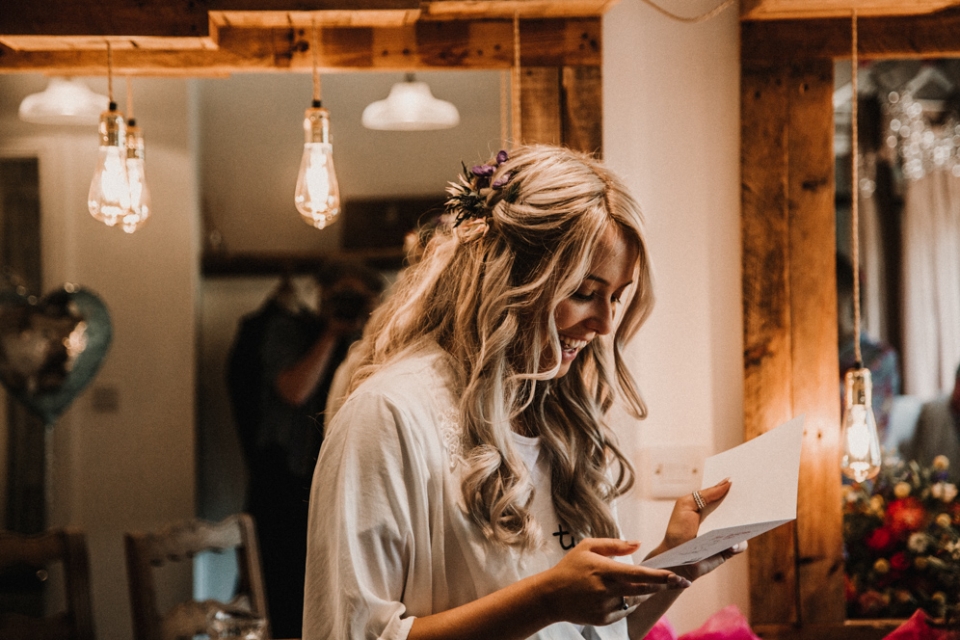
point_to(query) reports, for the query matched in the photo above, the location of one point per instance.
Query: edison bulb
(136, 216)
(109, 196)
(861, 445)
(318, 195)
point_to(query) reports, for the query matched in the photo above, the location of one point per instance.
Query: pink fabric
(663, 630)
(726, 624)
(916, 628)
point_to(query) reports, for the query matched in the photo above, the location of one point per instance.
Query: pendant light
(317, 196)
(139, 210)
(410, 106)
(109, 195)
(66, 101)
(861, 446)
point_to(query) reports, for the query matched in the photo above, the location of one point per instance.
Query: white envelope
(764, 473)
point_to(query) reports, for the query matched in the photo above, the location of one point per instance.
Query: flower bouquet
(902, 544)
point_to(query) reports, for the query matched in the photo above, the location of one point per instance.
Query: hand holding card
(763, 495)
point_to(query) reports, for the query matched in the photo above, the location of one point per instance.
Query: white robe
(388, 539)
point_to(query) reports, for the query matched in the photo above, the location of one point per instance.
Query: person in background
(938, 432)
(414, 244)
(467, 487)
(879, 357)
(280, 370)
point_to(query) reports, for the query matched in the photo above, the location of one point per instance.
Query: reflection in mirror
(252, 139)
(902, 531)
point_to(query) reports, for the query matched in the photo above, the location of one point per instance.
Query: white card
(764, 473)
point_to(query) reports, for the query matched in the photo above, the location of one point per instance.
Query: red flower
(905, 515)
(899, 561)
(880, 540)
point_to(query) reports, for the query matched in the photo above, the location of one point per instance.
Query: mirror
(247, 134)
(909, 240)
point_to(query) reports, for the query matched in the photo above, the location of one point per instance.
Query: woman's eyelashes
(592, 295)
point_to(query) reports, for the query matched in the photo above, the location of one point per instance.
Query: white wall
(671, 129)
(131, 468)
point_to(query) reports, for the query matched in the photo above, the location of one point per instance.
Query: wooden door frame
(789, 294)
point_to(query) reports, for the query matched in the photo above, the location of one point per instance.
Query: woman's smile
(592, 309)
(570, 347)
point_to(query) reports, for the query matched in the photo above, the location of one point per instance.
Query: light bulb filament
(317, 196)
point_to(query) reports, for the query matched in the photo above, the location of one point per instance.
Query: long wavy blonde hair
(490, 303)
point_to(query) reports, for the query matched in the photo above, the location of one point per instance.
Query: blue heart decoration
(51, 348)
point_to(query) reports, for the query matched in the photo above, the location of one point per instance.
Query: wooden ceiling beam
(526, 9)
(471, 44)
(177, 18)
(813, 9)
(780, 42)
(196, 18)
(201, 37)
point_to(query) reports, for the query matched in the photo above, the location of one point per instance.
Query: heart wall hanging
(51, 348)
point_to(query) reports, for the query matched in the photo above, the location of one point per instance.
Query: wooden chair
(147, 551)
(24, 566)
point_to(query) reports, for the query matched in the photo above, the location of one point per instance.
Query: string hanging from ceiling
(703, 17)
(516, 80)
(861, 446)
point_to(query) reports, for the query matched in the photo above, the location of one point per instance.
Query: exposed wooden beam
(780, 42)
(465, 9)
(809, 9)
(177, 18)
(473, 44)
(195, 18)
(204, 37)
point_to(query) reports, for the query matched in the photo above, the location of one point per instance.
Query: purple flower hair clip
(473, 196)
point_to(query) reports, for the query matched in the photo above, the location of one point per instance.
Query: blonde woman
(467, 486)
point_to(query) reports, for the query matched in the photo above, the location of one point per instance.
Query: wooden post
(563, 106)
(790, 328)
(766, 315)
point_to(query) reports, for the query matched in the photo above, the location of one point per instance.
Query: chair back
(149, 551)
(25, 562)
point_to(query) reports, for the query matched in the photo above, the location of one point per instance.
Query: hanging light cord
(703, 17)
(515, 89)
(504, 109)
(315, 49)
(110, 74)
(130, 117)
(855, 199)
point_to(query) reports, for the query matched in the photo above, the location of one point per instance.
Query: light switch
(667, 472)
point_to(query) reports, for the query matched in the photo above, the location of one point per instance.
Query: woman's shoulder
(415, 387)
(420, 372)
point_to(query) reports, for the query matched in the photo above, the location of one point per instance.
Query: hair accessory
(473, 196)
